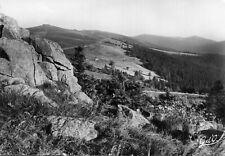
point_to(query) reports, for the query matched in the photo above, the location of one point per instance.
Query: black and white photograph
(112, 77)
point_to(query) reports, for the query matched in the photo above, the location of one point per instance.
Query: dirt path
(175, 93)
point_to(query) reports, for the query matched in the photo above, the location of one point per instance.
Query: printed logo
(210, 137)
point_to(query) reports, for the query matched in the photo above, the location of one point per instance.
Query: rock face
(70, 127)
(34, 61)
(57, 66)
(52, 50)
(19, 59)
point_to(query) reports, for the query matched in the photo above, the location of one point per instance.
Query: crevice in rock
(34, 71)
(57, 63)
(3, 54)
(30, 41)
(5, 74)
(1, 30)
(46, 59)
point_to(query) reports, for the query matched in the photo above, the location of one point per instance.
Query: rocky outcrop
(70, 127)
(57, 66)
(19, 59)
(10, 28)
(52, 52)
(33, 60)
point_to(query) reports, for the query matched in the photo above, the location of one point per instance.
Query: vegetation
(184, 73)
(25, 130)
(216, 101)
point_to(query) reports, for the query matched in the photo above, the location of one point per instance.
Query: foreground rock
(130, 120)
(34, 61)
(57, 67)
(19, 59)
(70, 127)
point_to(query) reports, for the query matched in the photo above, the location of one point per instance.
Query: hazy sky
(204, 18)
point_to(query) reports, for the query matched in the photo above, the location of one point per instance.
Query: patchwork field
(101, 54)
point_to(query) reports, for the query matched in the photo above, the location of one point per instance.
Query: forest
(192, 74)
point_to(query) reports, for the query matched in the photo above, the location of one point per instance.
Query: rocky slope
(27, 62)
(33, 61)
(36, 68)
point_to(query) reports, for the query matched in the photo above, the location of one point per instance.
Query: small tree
(78, 59)
(112, 64)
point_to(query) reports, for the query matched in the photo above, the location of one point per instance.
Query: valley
(89, 92)
(188, 72)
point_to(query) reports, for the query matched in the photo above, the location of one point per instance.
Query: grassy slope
(100, 54)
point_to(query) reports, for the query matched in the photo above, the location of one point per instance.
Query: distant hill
(65, 37)
(70, 38)
(193, 44)
(166, 56)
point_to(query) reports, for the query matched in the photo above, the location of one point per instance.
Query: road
(175, 93)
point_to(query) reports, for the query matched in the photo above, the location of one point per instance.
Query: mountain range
(193, 44)
(71, 37)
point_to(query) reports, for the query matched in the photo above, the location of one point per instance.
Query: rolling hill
(65, 37)
(192, 44)
(189, 64)
(69, 38)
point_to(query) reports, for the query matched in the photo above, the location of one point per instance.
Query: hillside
(69, 38)
(65, 37)
(99, 47)
(193, 44)
(100, 54)
(50, 105)
(187, 71)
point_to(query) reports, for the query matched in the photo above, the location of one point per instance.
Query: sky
(179, 18)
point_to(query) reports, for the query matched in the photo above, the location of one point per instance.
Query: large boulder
(82, 97)
(131, 119)
(19, 59)
(70, 127)
(68, 78)
(10, 28)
